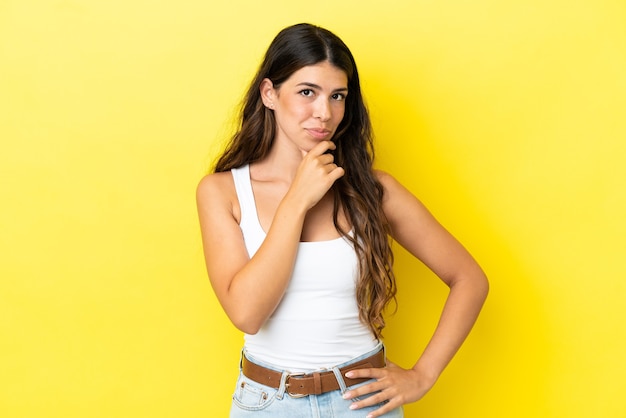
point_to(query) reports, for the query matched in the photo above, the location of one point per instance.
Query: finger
(370, 388)
(330, 168)
(321, 148)
(336, 173)
(386, 407)
(326, 158)
(372, 373)
(376, 399)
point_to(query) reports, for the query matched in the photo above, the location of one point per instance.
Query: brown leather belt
(300, 384)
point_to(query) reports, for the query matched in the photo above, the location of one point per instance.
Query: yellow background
(507, 118)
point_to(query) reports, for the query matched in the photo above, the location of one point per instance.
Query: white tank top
(316, 325)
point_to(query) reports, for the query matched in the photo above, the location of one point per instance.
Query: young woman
(296, 228)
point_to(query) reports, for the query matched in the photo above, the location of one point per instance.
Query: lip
(318, 133)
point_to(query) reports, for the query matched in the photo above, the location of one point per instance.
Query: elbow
(245, 313)
(485, 284)
(248, 324)
(247, 328)
(482, 287)
(475, 284)
(480, 281)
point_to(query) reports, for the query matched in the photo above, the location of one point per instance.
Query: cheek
(340, 114)
(290, 114)
(296, 111)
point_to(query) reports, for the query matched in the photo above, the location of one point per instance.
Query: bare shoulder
(215, 183)
(216, 192)
(384, 177)
(399, 203)
(391, 186)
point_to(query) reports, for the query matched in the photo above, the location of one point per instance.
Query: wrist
(289, 216)
(293, 204)
(427, 373)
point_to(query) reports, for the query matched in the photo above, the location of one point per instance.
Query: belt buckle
(289, 376)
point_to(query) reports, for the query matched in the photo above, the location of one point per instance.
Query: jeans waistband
(314, 383)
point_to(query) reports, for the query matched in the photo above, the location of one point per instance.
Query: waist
(314, 383)
(304, 346)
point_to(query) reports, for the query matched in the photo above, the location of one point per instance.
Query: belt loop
(241, 360)
(339, 377)
(282, 386)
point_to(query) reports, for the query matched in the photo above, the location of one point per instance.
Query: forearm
(459, 314)
(395, 386)
(258, 287)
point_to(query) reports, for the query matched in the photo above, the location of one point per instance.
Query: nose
(322, 110)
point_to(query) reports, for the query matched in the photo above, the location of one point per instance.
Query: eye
(306, 92)
(339, 96)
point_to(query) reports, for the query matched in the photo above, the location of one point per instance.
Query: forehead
(323, 74)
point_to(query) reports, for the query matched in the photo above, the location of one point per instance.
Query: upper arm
(224, 249)
(417, 230)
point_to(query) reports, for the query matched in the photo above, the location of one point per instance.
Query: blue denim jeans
(254, 400)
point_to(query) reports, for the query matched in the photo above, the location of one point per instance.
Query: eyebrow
(315, 86)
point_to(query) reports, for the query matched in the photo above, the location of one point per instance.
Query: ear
(268, 93)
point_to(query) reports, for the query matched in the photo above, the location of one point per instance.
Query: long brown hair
(358, 192)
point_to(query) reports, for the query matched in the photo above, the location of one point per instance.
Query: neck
(281, 164)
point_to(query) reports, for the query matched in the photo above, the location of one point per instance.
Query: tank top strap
(249, 223)
(243, 187)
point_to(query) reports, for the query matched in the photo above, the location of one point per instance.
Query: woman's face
(309, 105)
